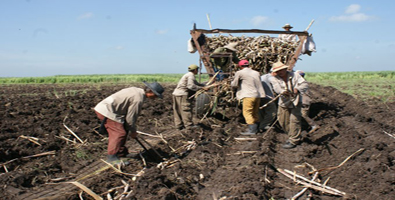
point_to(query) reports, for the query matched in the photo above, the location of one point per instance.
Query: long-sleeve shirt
(248, 84)
(123, 106)
(279, 86)
(287, 37)
(187, 82)
(267, 86)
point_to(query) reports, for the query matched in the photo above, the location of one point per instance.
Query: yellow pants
(251, 109)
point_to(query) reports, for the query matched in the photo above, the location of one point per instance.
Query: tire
(202, 104)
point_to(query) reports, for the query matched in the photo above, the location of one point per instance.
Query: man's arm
(235, 82)
(192, 84)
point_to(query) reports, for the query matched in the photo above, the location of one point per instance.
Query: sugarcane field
(55, 141)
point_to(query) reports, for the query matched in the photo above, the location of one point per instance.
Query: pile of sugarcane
(261, 51)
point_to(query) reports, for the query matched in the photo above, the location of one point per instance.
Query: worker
(289, 85)
(119, 113)
(287, 37)
(222, 64)
(250, 91)
(267, 114)
(306, 102)
(182, 103)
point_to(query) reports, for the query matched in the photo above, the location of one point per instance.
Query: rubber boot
(252, 130)
(114, 160)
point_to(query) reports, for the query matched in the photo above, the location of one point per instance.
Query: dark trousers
(116, 136)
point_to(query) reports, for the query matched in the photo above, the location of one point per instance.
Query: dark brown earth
(214, 168)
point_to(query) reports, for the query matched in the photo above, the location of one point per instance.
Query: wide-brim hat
(279, 66)
(231, 46)
(287, 26)
(156, 88)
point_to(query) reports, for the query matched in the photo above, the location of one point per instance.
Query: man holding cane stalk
(289, 85)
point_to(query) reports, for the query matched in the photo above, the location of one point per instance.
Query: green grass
(114, 78)
(361, 85)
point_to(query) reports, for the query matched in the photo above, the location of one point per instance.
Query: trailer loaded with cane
(259, 47)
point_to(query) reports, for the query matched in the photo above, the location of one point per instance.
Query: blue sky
(70, 37)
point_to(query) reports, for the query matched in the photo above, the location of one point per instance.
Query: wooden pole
(308, 27)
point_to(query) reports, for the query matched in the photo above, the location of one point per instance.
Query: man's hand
(133, 135)
(205, 88)
(296, 91)
(286, 93)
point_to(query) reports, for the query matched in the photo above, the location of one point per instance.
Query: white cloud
(85, 16)
(352, 14)
(161, 32)
(119, 47)
(353, 8)
(259, 20)
(357, 17)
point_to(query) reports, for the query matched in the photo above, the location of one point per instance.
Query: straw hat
(287, 26)
(279, 66)
(231, 46)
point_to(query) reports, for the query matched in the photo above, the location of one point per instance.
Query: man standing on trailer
(289, 85)
(250, 91)
(119, 113)
(182, 104)
(287, 37)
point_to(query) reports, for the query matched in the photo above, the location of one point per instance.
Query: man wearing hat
(250, 90)
(287, 37)
(289, 85)
(119, 113)
(182, 104)
(222, 63)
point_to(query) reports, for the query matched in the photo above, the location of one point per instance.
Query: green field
(362, 85)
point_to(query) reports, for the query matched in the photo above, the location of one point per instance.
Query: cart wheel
(202, 104)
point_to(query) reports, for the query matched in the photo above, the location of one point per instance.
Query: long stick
(389, 134)
(157, 153)
(209, 22)
(141, 144)
(311, 184)
(341, 164)
(32, 156)
(75, 135)
(271, 101)
(308, 27)
(147, 134)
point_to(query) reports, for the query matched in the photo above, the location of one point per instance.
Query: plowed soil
(353, 152)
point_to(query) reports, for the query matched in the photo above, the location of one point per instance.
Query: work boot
(289, 145)
(251, 130)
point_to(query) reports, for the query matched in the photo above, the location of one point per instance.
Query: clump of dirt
(354, 151)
